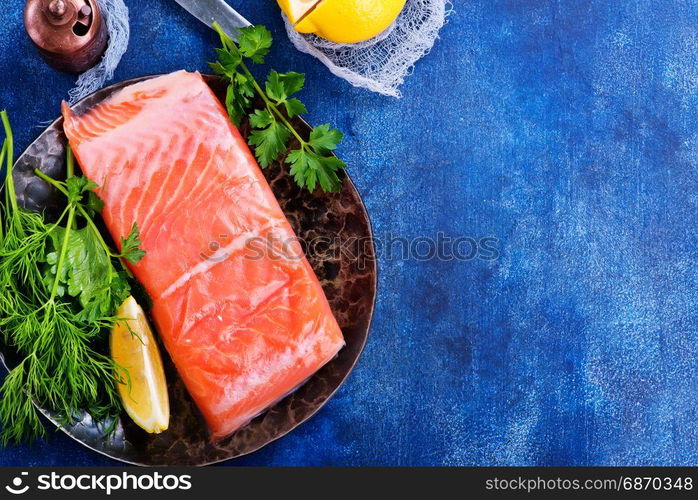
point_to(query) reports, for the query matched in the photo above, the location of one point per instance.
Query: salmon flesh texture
(235, 301)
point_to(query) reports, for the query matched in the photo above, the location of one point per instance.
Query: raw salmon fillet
(235, 301)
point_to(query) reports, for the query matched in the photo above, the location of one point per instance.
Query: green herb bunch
(313, 162)
(60, 284)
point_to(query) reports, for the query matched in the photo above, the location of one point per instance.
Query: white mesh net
(116, 16)
(382, 63)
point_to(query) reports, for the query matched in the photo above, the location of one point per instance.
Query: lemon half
(342, 21)
(133, 347)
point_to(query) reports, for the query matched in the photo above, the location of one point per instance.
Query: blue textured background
(568, 130)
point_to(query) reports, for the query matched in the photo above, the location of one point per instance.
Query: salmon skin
(235, 301)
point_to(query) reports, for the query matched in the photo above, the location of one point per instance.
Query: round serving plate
(336, 232)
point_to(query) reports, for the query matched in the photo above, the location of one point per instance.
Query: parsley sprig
(312, 163)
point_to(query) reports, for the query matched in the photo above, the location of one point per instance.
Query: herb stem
(57, 184)
(271, 106)
(103, 244)
(2, 158)
(64, 250)
(9, 151)
(70, 172)
(70, 163)
(96, 231)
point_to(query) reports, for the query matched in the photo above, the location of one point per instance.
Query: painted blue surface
(567, 130)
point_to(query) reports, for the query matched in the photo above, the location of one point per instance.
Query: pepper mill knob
(57, 8)
(71, 35)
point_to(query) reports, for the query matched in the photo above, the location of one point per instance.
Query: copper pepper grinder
(70, 34)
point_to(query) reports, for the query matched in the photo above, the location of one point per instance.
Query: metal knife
(208, 11)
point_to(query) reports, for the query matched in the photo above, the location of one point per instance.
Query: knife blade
(208, 11)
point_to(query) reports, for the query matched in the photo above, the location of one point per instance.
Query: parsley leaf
(228, 61)
(327, 174)
(293, 82)
(298, 159)
(269, 142)
(280, 86)
(294, 107)
(245, 85)
(274, 87)
(308, 168)
(233, 103)
(254, 42)
(94, 204)
(130, 246)
(324, 139)
(77, 186)
(261, 118)
(218, 69)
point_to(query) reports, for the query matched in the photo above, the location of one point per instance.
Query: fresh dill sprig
(60, 284)
(310, 164)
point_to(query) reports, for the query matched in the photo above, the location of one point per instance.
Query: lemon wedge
(342, 21)
(133, 347)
